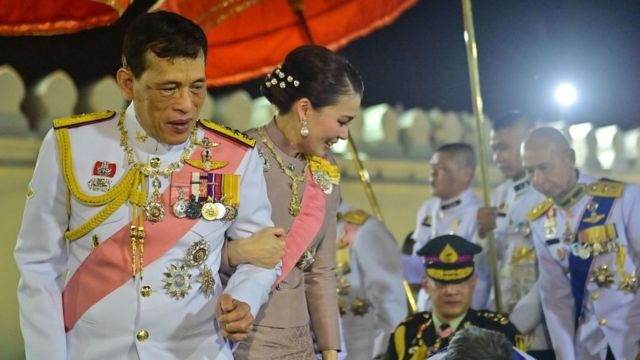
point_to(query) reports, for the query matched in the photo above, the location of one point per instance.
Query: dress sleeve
(320, 283)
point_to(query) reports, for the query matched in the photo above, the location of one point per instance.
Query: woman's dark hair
(166, 34)
(312, 72)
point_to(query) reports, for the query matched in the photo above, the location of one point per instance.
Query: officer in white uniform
(587, 236)
(369, 269)
(451, 210)
(126, 216)
(511, 202)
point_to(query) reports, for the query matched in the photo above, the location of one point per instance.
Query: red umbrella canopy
(249, 38)
(50, 17)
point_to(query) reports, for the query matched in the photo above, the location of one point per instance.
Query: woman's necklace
(294, 204)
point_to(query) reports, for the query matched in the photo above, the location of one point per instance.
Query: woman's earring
(304, 128)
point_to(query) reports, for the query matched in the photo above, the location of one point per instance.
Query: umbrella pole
(363, 174)
(476, 97)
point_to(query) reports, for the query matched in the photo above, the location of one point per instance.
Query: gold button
(602, 322)
(142, 335)
(595, 295)
(145, 291)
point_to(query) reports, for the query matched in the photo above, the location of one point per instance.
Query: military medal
(550, 224)
(180, 207)
(197, 253)
(602, 276)
(629, 283)
(209, 211)
(207, 163)
(359, 307)
(230, 213)
(99, 184)
(207, 281)
(344, 286)
(154, 211)
(177, 281)
(193, 208)
(581, 250)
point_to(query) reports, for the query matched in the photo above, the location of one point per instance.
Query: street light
(566, 95)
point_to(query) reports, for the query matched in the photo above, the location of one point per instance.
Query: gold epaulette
(357, 217)
(494, 316)
(540, 209)
(425, 314)
(228, 132)
(604, 188)
(82, 119)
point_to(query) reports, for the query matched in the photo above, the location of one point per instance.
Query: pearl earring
(304, 128)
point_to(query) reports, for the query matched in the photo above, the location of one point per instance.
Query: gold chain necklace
(294, 204)
(154, 210)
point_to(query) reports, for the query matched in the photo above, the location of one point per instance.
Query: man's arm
(41, 257)
(379, 259)
(557, 301)
(251, 284)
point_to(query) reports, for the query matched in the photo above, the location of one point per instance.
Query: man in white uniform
(511, 202)
(451, 210)
(369, 269)
(587, 237)
(126, 216)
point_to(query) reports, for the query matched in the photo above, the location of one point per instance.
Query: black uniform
(416, 337)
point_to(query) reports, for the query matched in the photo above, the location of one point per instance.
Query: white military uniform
(372, 302)
(611, 306)
(516, 255)
(454, 216)
(138, 319)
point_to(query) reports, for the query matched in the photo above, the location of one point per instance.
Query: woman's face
(330, 123)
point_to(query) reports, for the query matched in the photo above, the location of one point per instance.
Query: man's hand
(234, 317)
(263, 249)
(486, 220)
(329, 355)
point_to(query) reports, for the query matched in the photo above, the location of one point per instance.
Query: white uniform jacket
(455, 216)
(375, 277)
(137, 319)
(610, 315)
(516, 256)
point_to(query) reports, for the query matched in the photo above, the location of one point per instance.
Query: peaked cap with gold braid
(449, 258)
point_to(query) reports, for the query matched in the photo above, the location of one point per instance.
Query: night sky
(526, 47)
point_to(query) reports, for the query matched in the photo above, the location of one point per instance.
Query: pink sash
(305, 227)
(108, 266)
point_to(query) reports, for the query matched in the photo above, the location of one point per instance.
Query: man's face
(448, 178)
(168, 96)
(550, 169)
(505, 145)
(450, 300)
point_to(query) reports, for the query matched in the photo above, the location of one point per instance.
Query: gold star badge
(629, 283)
(602, 276)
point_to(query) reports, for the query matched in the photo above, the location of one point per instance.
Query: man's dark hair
(510, 119)
(166, 34)
(475, 343)
(461, 152)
